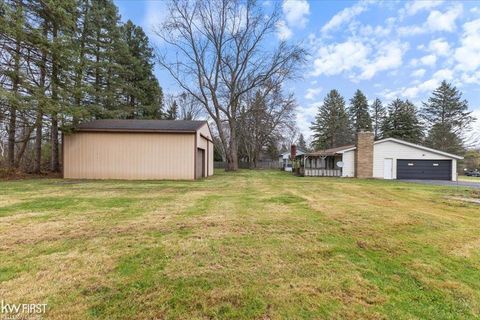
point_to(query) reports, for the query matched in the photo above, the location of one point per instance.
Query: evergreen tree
(402, 122)
(379, 113)
(301, 143)
(441, 137)
(331, 126)
(67, 61)
(143, 92)
(448, 117)
(172, 111)
(358, 111)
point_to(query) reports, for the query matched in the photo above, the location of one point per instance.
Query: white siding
(348, 164)
(394, 150)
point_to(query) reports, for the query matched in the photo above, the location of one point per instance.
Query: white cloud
(409, 31)
(389, 57)
(420, 87)
(468, 54)
(419, 73)
(283, 31)
(443, 74)
(428, 60)
(304, 118)
(439, 47)
(357, 55)
(413, 7)
(296, 12)
(344, 16)
(438, 21)
(337, 58)
(312, 93)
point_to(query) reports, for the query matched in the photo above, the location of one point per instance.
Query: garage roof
(180, 126)
(453, 156)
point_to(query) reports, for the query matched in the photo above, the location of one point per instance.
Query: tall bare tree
(264, 119)
(221, 50)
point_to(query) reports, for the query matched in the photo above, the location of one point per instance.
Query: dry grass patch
(246, 245)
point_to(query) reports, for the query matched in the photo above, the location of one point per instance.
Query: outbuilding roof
(115, 125)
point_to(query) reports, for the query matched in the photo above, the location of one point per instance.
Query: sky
(387, 49)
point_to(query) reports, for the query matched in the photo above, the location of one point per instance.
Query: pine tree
(402, 122)
(301, 143)
(448, 117)
(441, 137)
(143, 93)
(379, 113)
(12, 36)
(171, 113)
(358, 112)
(331, 126)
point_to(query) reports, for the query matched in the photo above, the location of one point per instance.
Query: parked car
(473, 173)
(288, 167)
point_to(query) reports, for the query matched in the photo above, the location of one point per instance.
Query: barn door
(200, 165)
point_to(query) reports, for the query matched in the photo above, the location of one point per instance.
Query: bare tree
(263, 121)
(190, 108)
(221, 51)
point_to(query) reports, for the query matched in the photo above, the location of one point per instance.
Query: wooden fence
(247, 165)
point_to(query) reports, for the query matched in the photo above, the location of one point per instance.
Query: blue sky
(387, 49)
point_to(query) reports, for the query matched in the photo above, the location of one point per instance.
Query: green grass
(467, 178)
(246, 245)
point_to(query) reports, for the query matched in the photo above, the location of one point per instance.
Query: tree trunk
(12, 124)
(12, 128)
(21, 152)
(232, 152)
(37, 164)
(55, 166)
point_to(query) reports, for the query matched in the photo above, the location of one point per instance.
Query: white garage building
(384, 159)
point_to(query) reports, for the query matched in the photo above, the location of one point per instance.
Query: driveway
(468, 184)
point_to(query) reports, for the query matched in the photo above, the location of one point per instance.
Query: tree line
(63, 62)
(440, 123)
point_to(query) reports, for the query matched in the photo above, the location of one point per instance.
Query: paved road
(469, 184)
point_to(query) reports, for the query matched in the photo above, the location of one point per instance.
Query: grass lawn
(246, 245)
(467, 178)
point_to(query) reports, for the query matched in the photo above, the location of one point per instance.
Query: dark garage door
(424, 169)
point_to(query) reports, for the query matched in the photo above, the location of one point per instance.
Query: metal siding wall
(206, 145)
(104, 155)
(210, 158)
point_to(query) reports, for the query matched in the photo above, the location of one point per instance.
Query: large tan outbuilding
(139, 150)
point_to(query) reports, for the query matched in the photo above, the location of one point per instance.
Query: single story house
(138, 150)
(284, 158)
(383, 159)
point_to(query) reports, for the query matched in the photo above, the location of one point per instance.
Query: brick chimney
(293, 151)
(364, 155)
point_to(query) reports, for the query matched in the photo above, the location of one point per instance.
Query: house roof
(419, 147)
(331, 151)
(180, 126)
(286, 153)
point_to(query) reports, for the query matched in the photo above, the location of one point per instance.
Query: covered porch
(322, 163)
